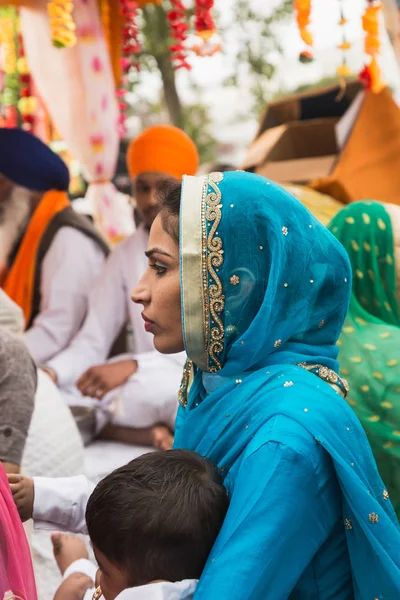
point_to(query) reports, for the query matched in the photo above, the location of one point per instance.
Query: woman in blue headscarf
(264, 290)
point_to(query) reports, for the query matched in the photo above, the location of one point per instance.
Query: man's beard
(15, 211)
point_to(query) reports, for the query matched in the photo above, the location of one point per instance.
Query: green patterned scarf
(370, 341)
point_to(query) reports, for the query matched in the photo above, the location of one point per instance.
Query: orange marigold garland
(9, 82)
(7, 41)
(343, 70)
(371, 75)
(303, 19)
(178, 22)
(62, 24)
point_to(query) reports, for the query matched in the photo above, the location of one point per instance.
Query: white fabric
(102, 457)
(11, 315)
(84, 566)
(110, 307)
(69, 269)
(163, 590)
(148, 397)
(53, 448)
(60, 503)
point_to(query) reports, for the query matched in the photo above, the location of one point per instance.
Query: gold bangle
(98, 594)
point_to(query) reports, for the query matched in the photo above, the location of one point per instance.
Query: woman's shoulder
(293, 438)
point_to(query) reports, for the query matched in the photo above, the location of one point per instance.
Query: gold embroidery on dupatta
(184, 387)
(214, 299)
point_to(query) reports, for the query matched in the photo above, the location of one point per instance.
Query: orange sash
(20, 280)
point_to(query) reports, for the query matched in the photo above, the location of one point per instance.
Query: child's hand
(74, 587)
(23, 491)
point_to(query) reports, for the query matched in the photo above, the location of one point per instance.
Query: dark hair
(158, 516)
(169, 198)
(222, 167)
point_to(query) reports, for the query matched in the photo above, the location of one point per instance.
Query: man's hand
(74, 587)
(23, 491)
(96, 382)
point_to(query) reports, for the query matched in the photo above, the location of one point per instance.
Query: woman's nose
(140, 294)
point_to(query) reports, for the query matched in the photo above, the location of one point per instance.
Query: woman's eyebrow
(149, 253)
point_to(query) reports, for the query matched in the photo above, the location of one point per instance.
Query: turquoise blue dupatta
(265, 287)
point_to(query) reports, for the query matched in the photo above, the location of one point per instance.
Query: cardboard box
(350, 156)
(324, 103)
(297, 152)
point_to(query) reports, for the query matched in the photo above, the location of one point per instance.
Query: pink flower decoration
(99, 169)
(97, 142)
(97, 65)
(106, 201)
(87, 34)
(104, 103)
(112, 232)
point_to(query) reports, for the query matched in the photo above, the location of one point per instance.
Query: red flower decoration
(204, 22)
(179, 26)
(130, 47)
(366, 78)
(28, 120)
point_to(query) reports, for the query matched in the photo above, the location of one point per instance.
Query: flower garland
(178, 22)
(303, 19)
(8, 45)
(371, 75)
(130, 49)
(61, 23)
(203, 21)
(8, 55)
(27, 104)
(343, 70)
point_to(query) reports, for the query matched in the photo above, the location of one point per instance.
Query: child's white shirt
(164, 590)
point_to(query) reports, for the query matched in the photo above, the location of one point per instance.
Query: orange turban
(165, 149)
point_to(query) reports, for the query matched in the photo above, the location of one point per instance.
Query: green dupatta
(370, 341)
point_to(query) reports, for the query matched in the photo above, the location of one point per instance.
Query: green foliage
(259, 48)
(198, 127)
(257, 55)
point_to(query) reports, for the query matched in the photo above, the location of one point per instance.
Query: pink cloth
(77, 86)
(16, 572)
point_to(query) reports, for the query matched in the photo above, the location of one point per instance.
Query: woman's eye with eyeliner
(159, 269)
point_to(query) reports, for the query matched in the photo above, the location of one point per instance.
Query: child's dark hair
(158, 517)
(169, 196)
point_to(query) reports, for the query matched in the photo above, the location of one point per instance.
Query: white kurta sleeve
(107, 313)
(69, 268)
(60, 503)
(151, 395)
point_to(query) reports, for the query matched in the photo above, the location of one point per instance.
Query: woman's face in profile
(159, 291)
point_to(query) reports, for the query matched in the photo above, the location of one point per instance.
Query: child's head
(155, 519)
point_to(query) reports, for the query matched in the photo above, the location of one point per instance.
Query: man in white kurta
(137, 390)
(49, 256)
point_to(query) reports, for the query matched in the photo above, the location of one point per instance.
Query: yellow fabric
(192, 271)
(165, 149)
(323, 207)
(19, 283)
